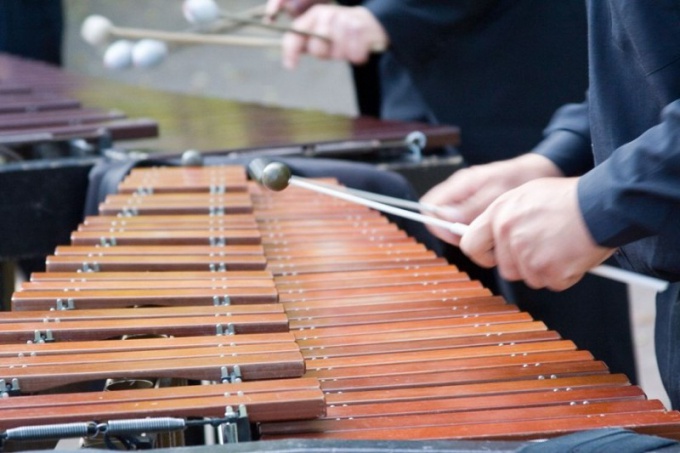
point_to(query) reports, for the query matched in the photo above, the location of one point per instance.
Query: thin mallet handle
(194, 38)
(603, 270)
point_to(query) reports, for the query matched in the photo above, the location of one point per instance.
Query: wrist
(536, 166)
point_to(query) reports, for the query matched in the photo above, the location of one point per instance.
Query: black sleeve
(418, 27)
(635, 192)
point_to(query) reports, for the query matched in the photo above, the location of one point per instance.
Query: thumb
(272, 9)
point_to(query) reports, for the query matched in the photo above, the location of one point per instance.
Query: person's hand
(292, 7)
(469, 191)
(535, 233)
(353, 33)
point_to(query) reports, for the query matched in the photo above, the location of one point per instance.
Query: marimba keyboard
(320, 317)
(36, 107)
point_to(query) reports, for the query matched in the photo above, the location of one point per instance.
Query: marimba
(46, 112)
(37, 107)
(305, 317)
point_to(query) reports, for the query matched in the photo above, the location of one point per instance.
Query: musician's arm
(549, 232)
(417, 28)
(351, 34)
(635, 192)
(413, 30)
(565, 151)
(567, 140)
(524, 231)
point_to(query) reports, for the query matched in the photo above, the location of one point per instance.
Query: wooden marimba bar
(369, 334)
(36, 107)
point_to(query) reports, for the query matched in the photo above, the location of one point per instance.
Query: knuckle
(509, 274)
(536, 265)
(534, 283)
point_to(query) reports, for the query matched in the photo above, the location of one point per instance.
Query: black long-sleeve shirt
(496, 68)
(630, 123)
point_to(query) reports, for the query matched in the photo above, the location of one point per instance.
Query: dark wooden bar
(266, 401)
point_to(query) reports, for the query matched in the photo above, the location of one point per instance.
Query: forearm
(417, 27)
(636, 192)
(567, 140)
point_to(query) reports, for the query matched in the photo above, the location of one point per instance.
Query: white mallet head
(200, 12)
(148, 53)
(96, 29)
(119, 55)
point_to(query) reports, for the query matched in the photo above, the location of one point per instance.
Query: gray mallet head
(275, 176)
(192, 158)
(272, 175)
